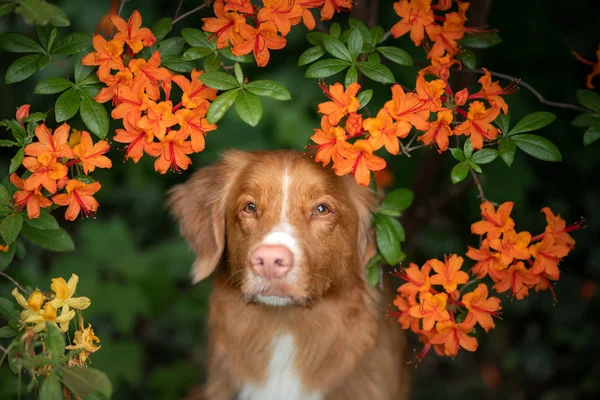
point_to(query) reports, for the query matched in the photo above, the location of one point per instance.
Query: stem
(386, 36)
(178, 9)
(481, 195)
(182, 16)
(121, 7)
(14, 282)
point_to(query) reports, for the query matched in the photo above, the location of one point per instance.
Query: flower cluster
(58, 308)
(595, 67)
(437, 301)
(48, 162)
(272, 23)
(140, 91)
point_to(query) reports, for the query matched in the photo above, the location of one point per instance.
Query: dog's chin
(278, 300)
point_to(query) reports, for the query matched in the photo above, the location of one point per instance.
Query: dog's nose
(272, 261)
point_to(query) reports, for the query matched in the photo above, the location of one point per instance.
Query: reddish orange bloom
(448, 273)
(171, 152)
(45, 172)
(330, 141)
(461, 97)
(137, 139)
(330, 7)
(149, 75)
(354, 124)
(557, 228)
(79, 198)
(431, 92)
(454, 336)
(342, 102)
(417, 279)
(194, 92)
(512, 245)
(50, 146)
(432, 308)
(105, 25)
(408, 109)
(494, 223)
(491, 91)
(282, 13)
(130, 32)
(547, 255)
(307, 17)
(481, 307)
(488, 262)
(130, 101)
(226, 26)
(417, 16)
(383, 131)
(440, 67)
(32, 199)
(193, 123)
(259, 41)
(159, 117)
(478, 124)
(90, 154)
(439, 131)
(517, 279)
(404, 317)
(107, 56)
(445, 37)
(595, 69)
(360, 161)
(22, 113)
(123, 77)
(243, 6)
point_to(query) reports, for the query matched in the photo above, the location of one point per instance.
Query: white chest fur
(282, 381)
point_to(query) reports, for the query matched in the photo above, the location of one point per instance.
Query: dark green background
(134, 266)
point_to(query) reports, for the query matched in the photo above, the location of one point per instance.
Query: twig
(15, 282)
(182, 16)
(121, 7)
(178, 9)
(419, 146)
(385, 36)
(527, 86)
(4, 349)
(481, 195)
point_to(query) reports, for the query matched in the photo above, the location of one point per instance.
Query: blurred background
(135, 267)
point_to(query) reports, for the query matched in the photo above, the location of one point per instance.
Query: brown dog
(291, 314)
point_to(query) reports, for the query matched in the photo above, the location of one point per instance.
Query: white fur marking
(274, 301)
(283, 383)
(285, 189)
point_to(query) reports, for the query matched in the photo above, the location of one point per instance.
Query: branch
(182, 16)
(178, 9)
(15, 282)
(121, 8)
(481, 195)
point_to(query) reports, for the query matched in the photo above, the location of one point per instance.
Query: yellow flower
(49, 314)
(84, 340)
(64, 292)
(31, 306)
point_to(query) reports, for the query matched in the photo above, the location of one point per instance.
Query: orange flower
(431, 92)
(32, 199)
(491, 91)
(124, 77)
(159, 117)
(193, 123)
(439, 131)
(494, 223)
(404, 317)
(45, 172)
(149, 75)
(307, 17)
(130, 101)
(90, 154)
(384, 131)
(595, 69)
(461, 97)
(79, 198)
(558, 229)
(454, 336)
(259, 41)
(512, 245)
(105, 25)
(194, 92)
(138, 140)
(330, 7)
(107, 56)
(547, 254)
(22, 113)
(281, 13)
(445, 37)
(488, 262)
(226, 26)
(440, 67)
(330, 141)
(417, 16)
(130, 32)
(171, 152)
(481, 307)
(354, 124)
(478, 124)
(448, 273)
(417, 279)
(50, 146)
(243, 6)
(360, 161)
(408, 109)
(432, 308)
(517, 279)
(342, 102)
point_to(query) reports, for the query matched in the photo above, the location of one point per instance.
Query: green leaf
(34, 117)
(484, 156)
(589, 99)
(7, 143)
(81, 71)
(94, 116)
(35, 12)
(475, 167)
(591, 135)
(373, 272)
(55, 342)
(351, 76)
(355, 42)
(249, 108)
(362, 28)
(220, 105)
(55, 240)
(364, 97)
(503, 122)
(52, 86)
(229, 55)
(396, 55)
(482, 40)
(18, 132)
(397, 200)
(10, 227)
(45, 221)
(73, 43)
(170, 46)
(6, 8)
(67, 105)
(459, 172)
(16, 43)
(507, 149)
(311, 54)
(175, 63)
(468, 58)
(586, 119)
(271, 89)
(457, 153)
(16, 161)
(326, 68)
(50, 389)
(533, 122)
(212, 63)
(388, 239)
(196, 38)
(468, 149)
(336, 48)
(162, 27)
(7, 331)
(58, 17)
(7, 257)
(239, 74)
(195, 53)
(86, 381)
(22, 68)
(47, 35)
(335, 30)
(8, 309)
(315, 38)
(43, 61)
(21, 250)
(219, 80)
(537, 147)
(377, 72)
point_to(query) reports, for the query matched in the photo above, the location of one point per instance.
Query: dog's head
(287, 230)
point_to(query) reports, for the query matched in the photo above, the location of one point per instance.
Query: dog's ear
(199, 207)
(365, 203)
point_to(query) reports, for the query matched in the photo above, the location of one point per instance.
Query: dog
(291, 314)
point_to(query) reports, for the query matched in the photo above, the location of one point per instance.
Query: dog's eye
(250, 208)
(321, 209)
